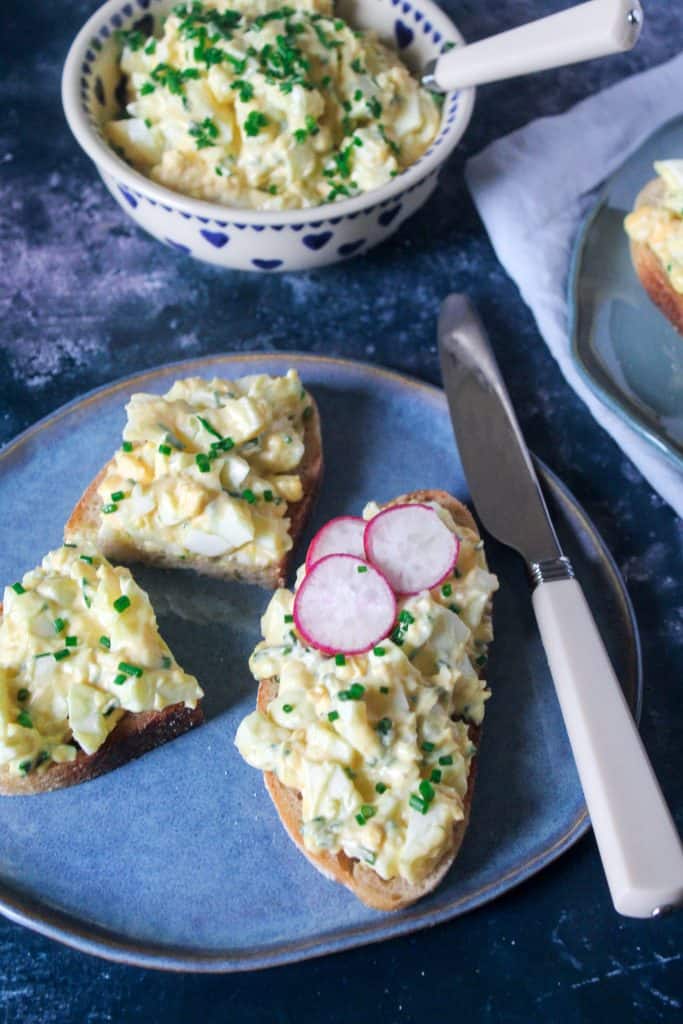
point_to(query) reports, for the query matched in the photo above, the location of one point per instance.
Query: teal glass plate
(627, 351)
(178, 860)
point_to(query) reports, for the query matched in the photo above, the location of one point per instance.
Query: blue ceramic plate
(178, 860)
(628, 352)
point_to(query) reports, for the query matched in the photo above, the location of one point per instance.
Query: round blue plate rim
(620, 407)
(90, 938)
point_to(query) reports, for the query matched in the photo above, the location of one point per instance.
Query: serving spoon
(593, 29)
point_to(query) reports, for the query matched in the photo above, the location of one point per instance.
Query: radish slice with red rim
(411, 546)
(344, 606)
(341, 536)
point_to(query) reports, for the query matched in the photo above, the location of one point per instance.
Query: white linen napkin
(532, 189)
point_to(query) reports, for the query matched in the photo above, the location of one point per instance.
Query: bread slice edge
(84, 522)
(363, 882)
(649, 268)
(134, 734)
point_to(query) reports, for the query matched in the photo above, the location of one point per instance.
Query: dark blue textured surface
(86, 298)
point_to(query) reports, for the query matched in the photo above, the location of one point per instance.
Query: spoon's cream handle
(637, 839)
(592, 29)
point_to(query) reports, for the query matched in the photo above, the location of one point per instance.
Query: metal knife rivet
(661, 911)
(634, 17)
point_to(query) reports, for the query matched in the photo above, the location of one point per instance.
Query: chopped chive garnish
(379, 652)
(224, 445)
(71, 641)
(368, 811)
(481, 660)
(65, 545)
(289, 618)
(111, 507)
(249, 496)
(455, 608)
(354, 692)
(427, 747)
(163, 449)
(287, 708)
(457, 574)
(25, 767)
(384, 726)
(360, 819)
(207, 426)
(447, 590)
(61, 655)
(127, 446)
(130, 670)
(88, 558)
(427, 790)
(436, 775)
(202, 461)
(23, 694)
(166, 662)
(255, 122)
(121, 603)
(115, 496)
(18, 589)
(380, 787)
(362, 568)
(267, 495)
(104, 641)
(332, 716)
(59, 625)
(23, 718)
(417, 803)
(384, 689)
(406, 618)
(339, 659)
(446, 759)
(119, 680)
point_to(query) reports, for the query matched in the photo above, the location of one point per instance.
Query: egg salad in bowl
(265, 135)
(252, 103)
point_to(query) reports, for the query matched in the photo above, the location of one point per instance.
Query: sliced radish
(341, 536)
(411, 546)
(344, 606)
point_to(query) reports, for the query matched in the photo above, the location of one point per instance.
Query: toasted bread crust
(134, 734)
(84, 523)
(363, 882)
(648, 266)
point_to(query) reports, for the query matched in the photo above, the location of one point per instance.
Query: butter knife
(639, 846)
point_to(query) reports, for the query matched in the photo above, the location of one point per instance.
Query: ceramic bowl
(256, 239)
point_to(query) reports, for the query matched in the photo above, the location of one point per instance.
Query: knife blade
(637, 839)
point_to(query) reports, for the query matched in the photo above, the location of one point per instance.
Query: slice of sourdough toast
(648, 266)
(365, 883)
(135, 734)
(86, 524)
(87, 682)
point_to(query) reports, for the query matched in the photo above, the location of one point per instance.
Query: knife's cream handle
(639, 846)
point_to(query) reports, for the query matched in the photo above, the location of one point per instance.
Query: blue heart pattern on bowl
(216, 238)
(404, 35)
(349, 248)
(267, 264)
(387, 216)
(316, 242)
